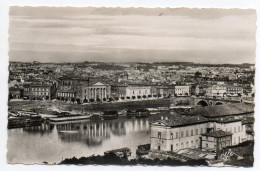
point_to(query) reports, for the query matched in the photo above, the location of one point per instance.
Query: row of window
(236, 129)
(140, 92)
(66, 94)
(37, 89)
(40, 93)
(188, 133)
(182, 145)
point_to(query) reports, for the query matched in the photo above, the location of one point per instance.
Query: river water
(52, 143)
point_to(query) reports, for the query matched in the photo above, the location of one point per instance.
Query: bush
(128, 97)
(139, 97)
(91, 100)
(144, 96)
(98, 100)
(123, 98)
(115, 160)
(104, 99)
(133, 97)
(149, 96)
(116, 98)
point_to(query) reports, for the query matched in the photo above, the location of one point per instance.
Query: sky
(71, 34)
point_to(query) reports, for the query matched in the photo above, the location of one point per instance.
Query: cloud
(92, 33)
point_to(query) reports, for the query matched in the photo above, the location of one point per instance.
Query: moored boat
(109, 115)
(138, 113)
(70, 118)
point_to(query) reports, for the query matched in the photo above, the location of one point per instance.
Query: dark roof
(181, 121)
(222, 110)
(14, 89)
(217, 134)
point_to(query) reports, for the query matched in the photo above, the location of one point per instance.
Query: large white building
(138, 90)
(182, 90)
(216, 129)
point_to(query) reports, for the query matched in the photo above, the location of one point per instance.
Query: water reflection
(52, 142)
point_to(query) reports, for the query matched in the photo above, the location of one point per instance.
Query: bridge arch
(202, 103)
(219, 103)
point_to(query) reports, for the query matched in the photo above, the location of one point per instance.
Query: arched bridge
(213, 101)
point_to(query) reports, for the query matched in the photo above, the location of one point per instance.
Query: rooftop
(218, 134)
(181, 121)
(222, 110)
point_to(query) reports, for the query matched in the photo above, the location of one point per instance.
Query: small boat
(153, 111)
(139, 113)
(143, 149)
(109, 115)
(70, 118)
(163, 108)
(121, 152)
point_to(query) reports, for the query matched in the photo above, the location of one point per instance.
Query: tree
(139, 97)
(116, 98)
(98, 100)
(154, 95)
(85, 101)
(149, 96)
(123, 98)
(144, 96)
(133, 97)
(104, 99)
(91, 100)
(128, 97)
(111, 99)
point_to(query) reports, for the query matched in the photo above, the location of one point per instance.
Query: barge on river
(139, 113)
(70, 118)
(109, 115)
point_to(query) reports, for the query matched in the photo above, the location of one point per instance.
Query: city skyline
(132, 35)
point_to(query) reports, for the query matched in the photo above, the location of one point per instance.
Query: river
(53, 143)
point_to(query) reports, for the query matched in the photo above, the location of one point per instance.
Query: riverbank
(115, 160)
(49, 107)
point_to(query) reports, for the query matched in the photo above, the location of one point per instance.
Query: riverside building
(206, 128)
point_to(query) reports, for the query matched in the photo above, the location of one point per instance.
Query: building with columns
(98, 90)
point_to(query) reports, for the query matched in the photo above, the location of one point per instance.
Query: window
(201, 130)
(177, 134)
(191, 132)
(215, 146)
(171, 135)
(187, 133)
(159, 134)
(197, 142)
(197, 131)
(191, 143)
(207, 138)
(207, 145)
(181, 134)
(159, 148)
(177, 146)
(171, 147)
(187, 144)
